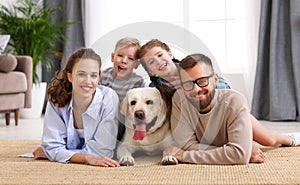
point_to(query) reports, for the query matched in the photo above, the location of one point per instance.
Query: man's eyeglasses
(201, 82)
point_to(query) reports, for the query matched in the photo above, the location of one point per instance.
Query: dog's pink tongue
(140, 132)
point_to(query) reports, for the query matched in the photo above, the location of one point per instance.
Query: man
(210, 126)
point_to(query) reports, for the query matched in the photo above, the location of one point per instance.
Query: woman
(157, 59)
(80, 121)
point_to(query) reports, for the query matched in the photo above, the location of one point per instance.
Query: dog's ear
(163, 108)
(163, 105)
(124, 106)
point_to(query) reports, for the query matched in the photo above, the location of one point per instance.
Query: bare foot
(39, 153)
(257, 155)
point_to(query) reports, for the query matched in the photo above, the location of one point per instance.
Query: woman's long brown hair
(60, 90)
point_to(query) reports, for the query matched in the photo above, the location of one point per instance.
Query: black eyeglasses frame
(196, 82)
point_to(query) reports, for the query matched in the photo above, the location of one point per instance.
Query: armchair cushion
(8, 63)
(13, 82)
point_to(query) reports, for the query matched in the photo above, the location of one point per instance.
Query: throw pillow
(8, 62)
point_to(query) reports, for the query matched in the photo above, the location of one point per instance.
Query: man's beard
(202, 104)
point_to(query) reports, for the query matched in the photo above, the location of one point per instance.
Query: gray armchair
(15, 85)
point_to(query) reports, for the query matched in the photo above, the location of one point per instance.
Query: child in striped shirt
(121, 76)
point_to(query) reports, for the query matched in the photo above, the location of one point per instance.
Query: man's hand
(174, 151)
(257, 155)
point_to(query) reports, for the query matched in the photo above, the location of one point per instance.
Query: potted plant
(32, 33)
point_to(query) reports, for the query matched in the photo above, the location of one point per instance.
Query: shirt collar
(94, 108)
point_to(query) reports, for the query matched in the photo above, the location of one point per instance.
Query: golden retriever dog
(147, 127)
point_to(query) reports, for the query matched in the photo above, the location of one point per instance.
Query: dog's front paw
(169, 160)
(127, 161)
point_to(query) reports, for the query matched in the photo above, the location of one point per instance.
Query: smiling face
(124, 60)
(159, 62)
(144, 111)
(200, 97)
(84, 77)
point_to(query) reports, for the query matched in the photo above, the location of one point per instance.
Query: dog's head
(144, 111)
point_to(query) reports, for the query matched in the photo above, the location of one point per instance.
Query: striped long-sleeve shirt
(121, 86)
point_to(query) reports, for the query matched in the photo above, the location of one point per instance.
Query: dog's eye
(132, 102)
(149, 102)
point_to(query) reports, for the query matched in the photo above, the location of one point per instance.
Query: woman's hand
(94, 160)
(101, 161)
(39, 153)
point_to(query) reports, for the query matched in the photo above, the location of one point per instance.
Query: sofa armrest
(25, 65)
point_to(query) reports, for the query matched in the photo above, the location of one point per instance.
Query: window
(228, 27)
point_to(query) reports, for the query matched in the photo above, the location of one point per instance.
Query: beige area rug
(282, 167)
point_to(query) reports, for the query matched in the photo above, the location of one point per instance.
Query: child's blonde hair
(126, 42)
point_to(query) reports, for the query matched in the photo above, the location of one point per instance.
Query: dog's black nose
(139, 114)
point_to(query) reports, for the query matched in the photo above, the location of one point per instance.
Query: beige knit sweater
(222, 136)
